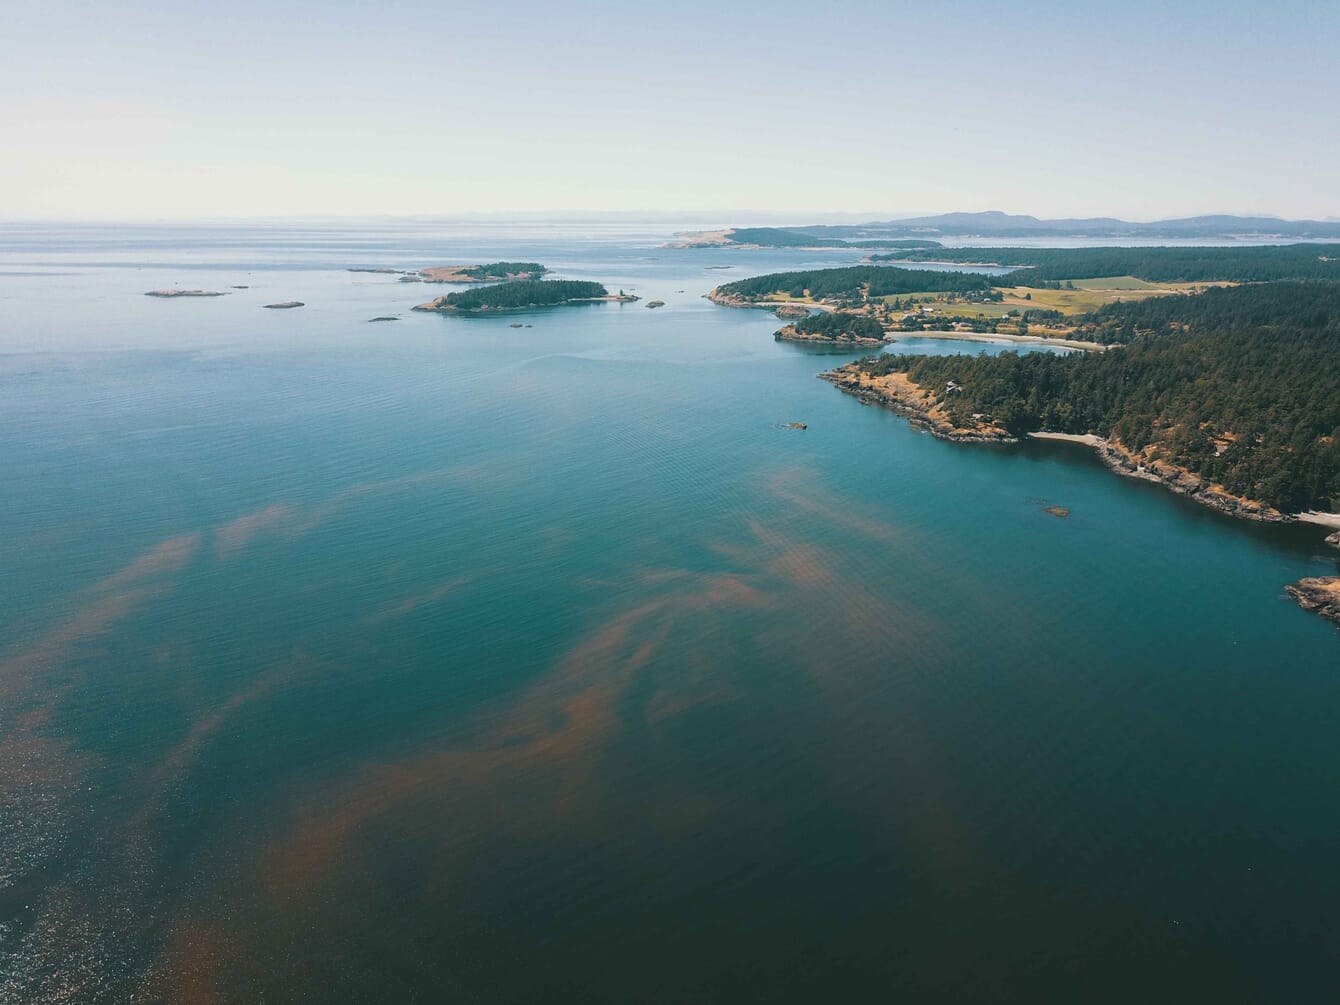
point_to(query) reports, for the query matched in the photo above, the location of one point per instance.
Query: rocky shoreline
(1183, 482)
(898, 394)
(925, 410)
(1320, 595)
(791, 334)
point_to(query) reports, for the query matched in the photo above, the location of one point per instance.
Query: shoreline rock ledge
(1320, 595)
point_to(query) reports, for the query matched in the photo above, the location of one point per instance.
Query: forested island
(837, 328)
(492, 272)
(1231, 397)
(523, 294)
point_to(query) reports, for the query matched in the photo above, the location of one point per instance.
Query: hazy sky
(1141, 109)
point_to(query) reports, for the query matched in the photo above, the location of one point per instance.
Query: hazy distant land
(926, 231)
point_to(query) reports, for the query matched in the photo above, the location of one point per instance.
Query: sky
(1142, 110)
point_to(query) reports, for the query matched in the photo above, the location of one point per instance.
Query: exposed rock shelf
(1320, 595)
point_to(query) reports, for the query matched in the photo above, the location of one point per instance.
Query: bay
(438, 658)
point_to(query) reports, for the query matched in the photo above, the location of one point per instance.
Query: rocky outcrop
(285, 305)
(1320, 595)
(920, 407)
(729, 299)
(1184, 482)
(169, 294)
(792, 311)
(655, 303)
(1334, 540)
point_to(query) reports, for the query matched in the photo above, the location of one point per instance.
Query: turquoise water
(441, 660)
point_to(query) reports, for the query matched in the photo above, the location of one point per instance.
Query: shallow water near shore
(442, 659)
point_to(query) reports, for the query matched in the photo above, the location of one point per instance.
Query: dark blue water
(441, 660)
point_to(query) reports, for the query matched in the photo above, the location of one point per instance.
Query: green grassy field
(1087, 295)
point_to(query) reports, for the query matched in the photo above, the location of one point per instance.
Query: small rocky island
(837, 328)
(169, 294)
(524, 295)
(285, 305)
(655, 303)
(1321, 595)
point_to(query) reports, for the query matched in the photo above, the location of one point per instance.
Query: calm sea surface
(440, 660)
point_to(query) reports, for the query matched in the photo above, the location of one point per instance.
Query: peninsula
(523, 295)
(1230, 397)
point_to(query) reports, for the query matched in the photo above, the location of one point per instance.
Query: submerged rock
(1060, 511)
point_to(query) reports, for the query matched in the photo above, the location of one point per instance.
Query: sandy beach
(985, 337)
(1321, 519)
(1088, 439)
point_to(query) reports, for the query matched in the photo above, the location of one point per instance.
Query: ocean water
(440, 660)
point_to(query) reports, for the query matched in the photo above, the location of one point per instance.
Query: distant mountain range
(999, 224)
(995, 224)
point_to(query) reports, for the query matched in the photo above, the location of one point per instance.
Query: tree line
(501, 270)
(1266, 263)
(840, 324)
(1240, 386)
(855, 283)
